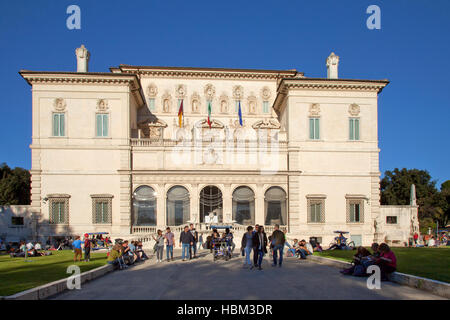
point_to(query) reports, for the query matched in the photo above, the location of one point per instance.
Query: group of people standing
(189, 238)
(256, 240)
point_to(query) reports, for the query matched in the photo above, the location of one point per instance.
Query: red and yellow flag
(180, 114)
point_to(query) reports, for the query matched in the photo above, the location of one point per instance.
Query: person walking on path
(186, 241)
(260, 244)
(278, 241)
(77, 249)
(193, 247)
(246, 246)
(87, 248)
(159, 245)
(170, 239)
(255, 252)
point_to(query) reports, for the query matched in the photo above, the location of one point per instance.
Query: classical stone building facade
(112, 151)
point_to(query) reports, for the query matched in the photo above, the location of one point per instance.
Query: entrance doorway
(211, 205)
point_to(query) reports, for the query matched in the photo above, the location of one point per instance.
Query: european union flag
(240, 113)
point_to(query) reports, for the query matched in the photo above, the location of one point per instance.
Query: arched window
(178, 204)
(144, 206)
(244, 206)
(275, 206)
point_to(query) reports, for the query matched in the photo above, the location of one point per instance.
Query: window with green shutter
(59, 210)
(354, 129)
(314, 128)
(101, 209)
(355, 211)
(102, 120)
(151, 104)
(316, 209)
(266, 106)
(58, 125)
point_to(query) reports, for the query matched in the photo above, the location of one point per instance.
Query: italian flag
(209, 114)
(180, 114)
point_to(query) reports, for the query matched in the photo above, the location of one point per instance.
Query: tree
(395, 190)
(14, 186)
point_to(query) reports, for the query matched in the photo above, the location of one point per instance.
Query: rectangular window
(101, 209)
(151, 104)
(266, 106)
(102, 124)
(315, 212)
(58, 125)
(314, 128)
(355, 211)
(354, 129)
(391, 220)
(316, 209)
(237, 106)
(17, 221)
(58, 212)
(102, 212)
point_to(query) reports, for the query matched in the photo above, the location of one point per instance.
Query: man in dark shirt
(186, 241)
(278, 240)
(193, 247)
(255, 252)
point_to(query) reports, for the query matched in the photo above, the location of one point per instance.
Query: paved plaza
(223, 280)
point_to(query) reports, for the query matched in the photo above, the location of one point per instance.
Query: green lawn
(17, 275)
(432, 263)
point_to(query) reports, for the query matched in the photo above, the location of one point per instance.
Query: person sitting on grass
(340, 242)
(115, 257)
(303, 250)
(318, 247)
(359, 263)
(387, 261)
(375, 250)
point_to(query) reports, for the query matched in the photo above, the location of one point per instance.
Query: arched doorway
(275, 206)
(178, 206)
(144, 206)
(244, 206)
(211, 204)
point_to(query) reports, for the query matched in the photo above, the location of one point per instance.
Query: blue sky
(411, 50)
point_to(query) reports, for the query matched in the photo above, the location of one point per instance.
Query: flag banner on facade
(240, 113)
(180, 114)
(209, 114)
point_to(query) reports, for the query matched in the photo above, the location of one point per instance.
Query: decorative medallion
(314, 110)
(354, 110)
(238, 92)
(265, 93)
(180, 91)
(102, 105)
(152, 90)
(60, 104)
(210, 92)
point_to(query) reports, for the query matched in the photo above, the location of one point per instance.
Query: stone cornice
(83, 78)
(208, 73)
(333, 84)
(288, 84)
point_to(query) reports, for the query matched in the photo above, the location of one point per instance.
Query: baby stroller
(221, 249)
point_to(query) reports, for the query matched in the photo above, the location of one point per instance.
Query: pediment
(266, 124)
